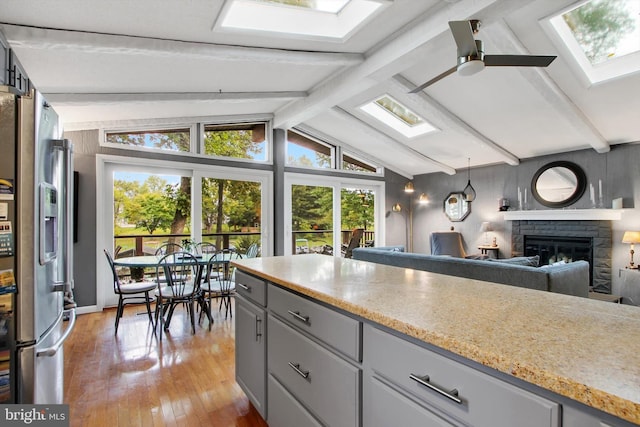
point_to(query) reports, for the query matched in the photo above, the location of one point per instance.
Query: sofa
(564, 278)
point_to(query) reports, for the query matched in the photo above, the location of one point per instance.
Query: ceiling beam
(88, 42)
(92, 99)
(359, 77)
(456, 122)
(505, 40)
(366, 129)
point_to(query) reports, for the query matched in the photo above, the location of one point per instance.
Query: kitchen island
(580, 358)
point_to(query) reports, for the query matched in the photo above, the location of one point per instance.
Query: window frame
(268, 140)
(332, 149)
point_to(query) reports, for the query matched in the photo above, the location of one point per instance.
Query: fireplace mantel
(564, 215)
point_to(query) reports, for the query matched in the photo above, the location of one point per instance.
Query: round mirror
(558, 184)
(456, 207)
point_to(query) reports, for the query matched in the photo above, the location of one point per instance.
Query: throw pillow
(531, 261)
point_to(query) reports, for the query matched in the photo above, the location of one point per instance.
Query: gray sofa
(571, 278)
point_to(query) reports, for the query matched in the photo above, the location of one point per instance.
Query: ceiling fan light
(470, 68)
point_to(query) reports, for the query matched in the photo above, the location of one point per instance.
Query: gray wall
(618, 170)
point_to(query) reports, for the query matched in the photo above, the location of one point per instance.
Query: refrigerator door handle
(51, 351)
(66, 147)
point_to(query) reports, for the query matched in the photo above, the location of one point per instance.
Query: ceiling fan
(471, 57)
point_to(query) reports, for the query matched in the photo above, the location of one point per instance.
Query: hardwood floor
(133, 379)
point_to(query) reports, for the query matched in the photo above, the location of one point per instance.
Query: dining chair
(252, 251)
(354, 242)
(203, 248)
(223, 286)
(169, 248)
(130, 293)
(182, 273)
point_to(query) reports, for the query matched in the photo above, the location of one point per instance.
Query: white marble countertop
(584, 349)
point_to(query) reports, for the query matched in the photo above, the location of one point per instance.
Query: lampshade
(396, 207)
(631, 237)
(423, 199)
(486, 226)
(408, 187)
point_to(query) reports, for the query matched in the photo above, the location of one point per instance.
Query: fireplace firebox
(552, 249)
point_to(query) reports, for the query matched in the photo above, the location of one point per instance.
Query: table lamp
(485, 227)
(631, 237)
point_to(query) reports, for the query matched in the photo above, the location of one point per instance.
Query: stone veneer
(599, 231)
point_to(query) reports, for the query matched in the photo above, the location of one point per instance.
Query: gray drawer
(251, 287)
(386, 407)
(485, 401)
(285, 410)
(328, 386)
(339, 331)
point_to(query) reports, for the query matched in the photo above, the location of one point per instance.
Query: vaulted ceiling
(119, 63)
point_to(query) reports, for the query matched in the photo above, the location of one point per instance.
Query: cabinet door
(251, 368)
(385, 407)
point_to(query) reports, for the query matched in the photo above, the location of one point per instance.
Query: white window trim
(104, 204)
(337, 183)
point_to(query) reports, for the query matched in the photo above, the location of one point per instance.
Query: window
(178, 139)
(332, 6)
(602, 37)
(315, 19)
(244, 141)
(303, 151)
(352, 163)
(397, 116)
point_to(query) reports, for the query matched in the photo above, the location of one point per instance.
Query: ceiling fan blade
(463, 35)
(518, 60)
(435, 79)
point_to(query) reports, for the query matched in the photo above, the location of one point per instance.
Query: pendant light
(469, 192)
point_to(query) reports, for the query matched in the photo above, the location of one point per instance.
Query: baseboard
(87, 309)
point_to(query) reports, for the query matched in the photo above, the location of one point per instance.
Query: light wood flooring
(133, 379)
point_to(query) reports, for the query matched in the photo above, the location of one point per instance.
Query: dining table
(150, 261)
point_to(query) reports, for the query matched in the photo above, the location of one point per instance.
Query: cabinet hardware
(297, 315)
(453, 394)
(258, 329)
(245, 287)
(296, 367)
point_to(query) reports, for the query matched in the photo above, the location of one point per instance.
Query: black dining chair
(168, 248)
(219, 280)
(130, 293)
(182, 273)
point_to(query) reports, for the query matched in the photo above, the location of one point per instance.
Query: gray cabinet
(251, 341)
(4, 61)
(460, 393)
(324, 367)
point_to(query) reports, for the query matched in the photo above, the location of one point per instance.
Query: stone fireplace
(588, 240)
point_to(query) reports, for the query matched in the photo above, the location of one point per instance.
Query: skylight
(397, 116)
(333, 19)
(331, 6)
(603, 36)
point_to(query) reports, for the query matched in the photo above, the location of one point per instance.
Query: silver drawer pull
(245, 287)
(296, 367)
(453, 394)
(298, 316)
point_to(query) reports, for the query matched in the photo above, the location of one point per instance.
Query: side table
(605, 297)
(492, 251)
(629, 286)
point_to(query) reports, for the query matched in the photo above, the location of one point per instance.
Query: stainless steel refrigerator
(36, 249)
